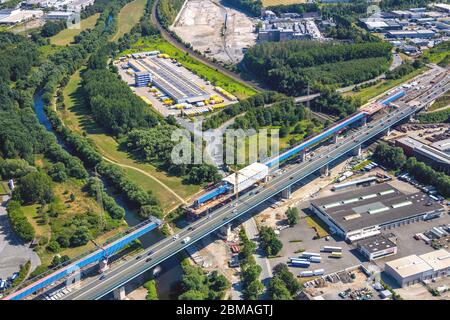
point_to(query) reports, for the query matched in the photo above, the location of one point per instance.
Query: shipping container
(336, 255)
(309, 254)
(331, 249)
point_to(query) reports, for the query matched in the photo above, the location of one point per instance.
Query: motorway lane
(94, 288)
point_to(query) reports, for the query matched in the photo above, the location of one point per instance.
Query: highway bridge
(97, 287)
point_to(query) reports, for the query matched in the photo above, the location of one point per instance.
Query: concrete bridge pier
(325, 170)
(357, 151)
(335, 138)
(303, 156)
(387, 132)
(364, 121)
(119, 293)
(286, 193)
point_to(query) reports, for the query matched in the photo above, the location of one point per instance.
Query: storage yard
(163, 83)
(220, 32)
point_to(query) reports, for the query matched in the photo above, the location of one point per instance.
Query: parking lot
(172, 81)
(13, 252)
(302, 237)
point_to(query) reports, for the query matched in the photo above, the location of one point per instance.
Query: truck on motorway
(186, 240)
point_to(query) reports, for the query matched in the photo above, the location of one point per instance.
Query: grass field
(441, 102)
(129, 16)
(76, 117)
(67, 36)
(268, 3)
(4, 189)
(384, 85)
(156, 43)
(318, 226)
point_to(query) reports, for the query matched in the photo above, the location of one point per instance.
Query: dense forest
(290, 66)
(113, 105)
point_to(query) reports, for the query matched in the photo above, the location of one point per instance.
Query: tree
(53, 246)
(292, 215)
(34, 187)
(277, 289)
(269, 241)
(19, 221)
(281, 271)
(58, 172)
(149, 210)
(390, 157)
(80, 237)
(253, 290)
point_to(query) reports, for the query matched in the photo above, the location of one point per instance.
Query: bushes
(198, 286)
(152, 293)
(134, 194)
(96, 189)
(435, 117)
(33, 188)
(254, 102)
(19, 222)
(23, 273)
(251, 6)
(168, 10)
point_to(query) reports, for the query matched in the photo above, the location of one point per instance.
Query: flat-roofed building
(365, 212)
(432, 156)
(404, 34)
(377, 247)
(59, 15)
(413, 269)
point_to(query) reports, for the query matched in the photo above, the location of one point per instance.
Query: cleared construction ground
(202, 24)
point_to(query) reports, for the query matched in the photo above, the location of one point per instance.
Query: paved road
(13, 251)
(94, 288)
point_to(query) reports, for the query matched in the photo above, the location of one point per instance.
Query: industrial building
(377, 247)
(432, 156)
(288, 28)
(59, 15)
(15, 16)
(414, 269)
(404, 34)
(365, 212)
(163, 74)
(380, 25)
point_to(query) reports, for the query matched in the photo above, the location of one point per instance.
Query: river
(171, 271)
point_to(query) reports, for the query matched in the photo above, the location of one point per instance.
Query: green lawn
(129, 16)
(67, 36)
(381, 87)
(238, 89)
(4, 189)
(77, 117)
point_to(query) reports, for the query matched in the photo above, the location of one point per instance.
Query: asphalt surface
(94, 288)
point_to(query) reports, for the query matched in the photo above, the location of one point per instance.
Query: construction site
(217, 31)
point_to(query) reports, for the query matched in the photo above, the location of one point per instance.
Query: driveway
(13, 251)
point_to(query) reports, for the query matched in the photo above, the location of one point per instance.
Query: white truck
(186, 240)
